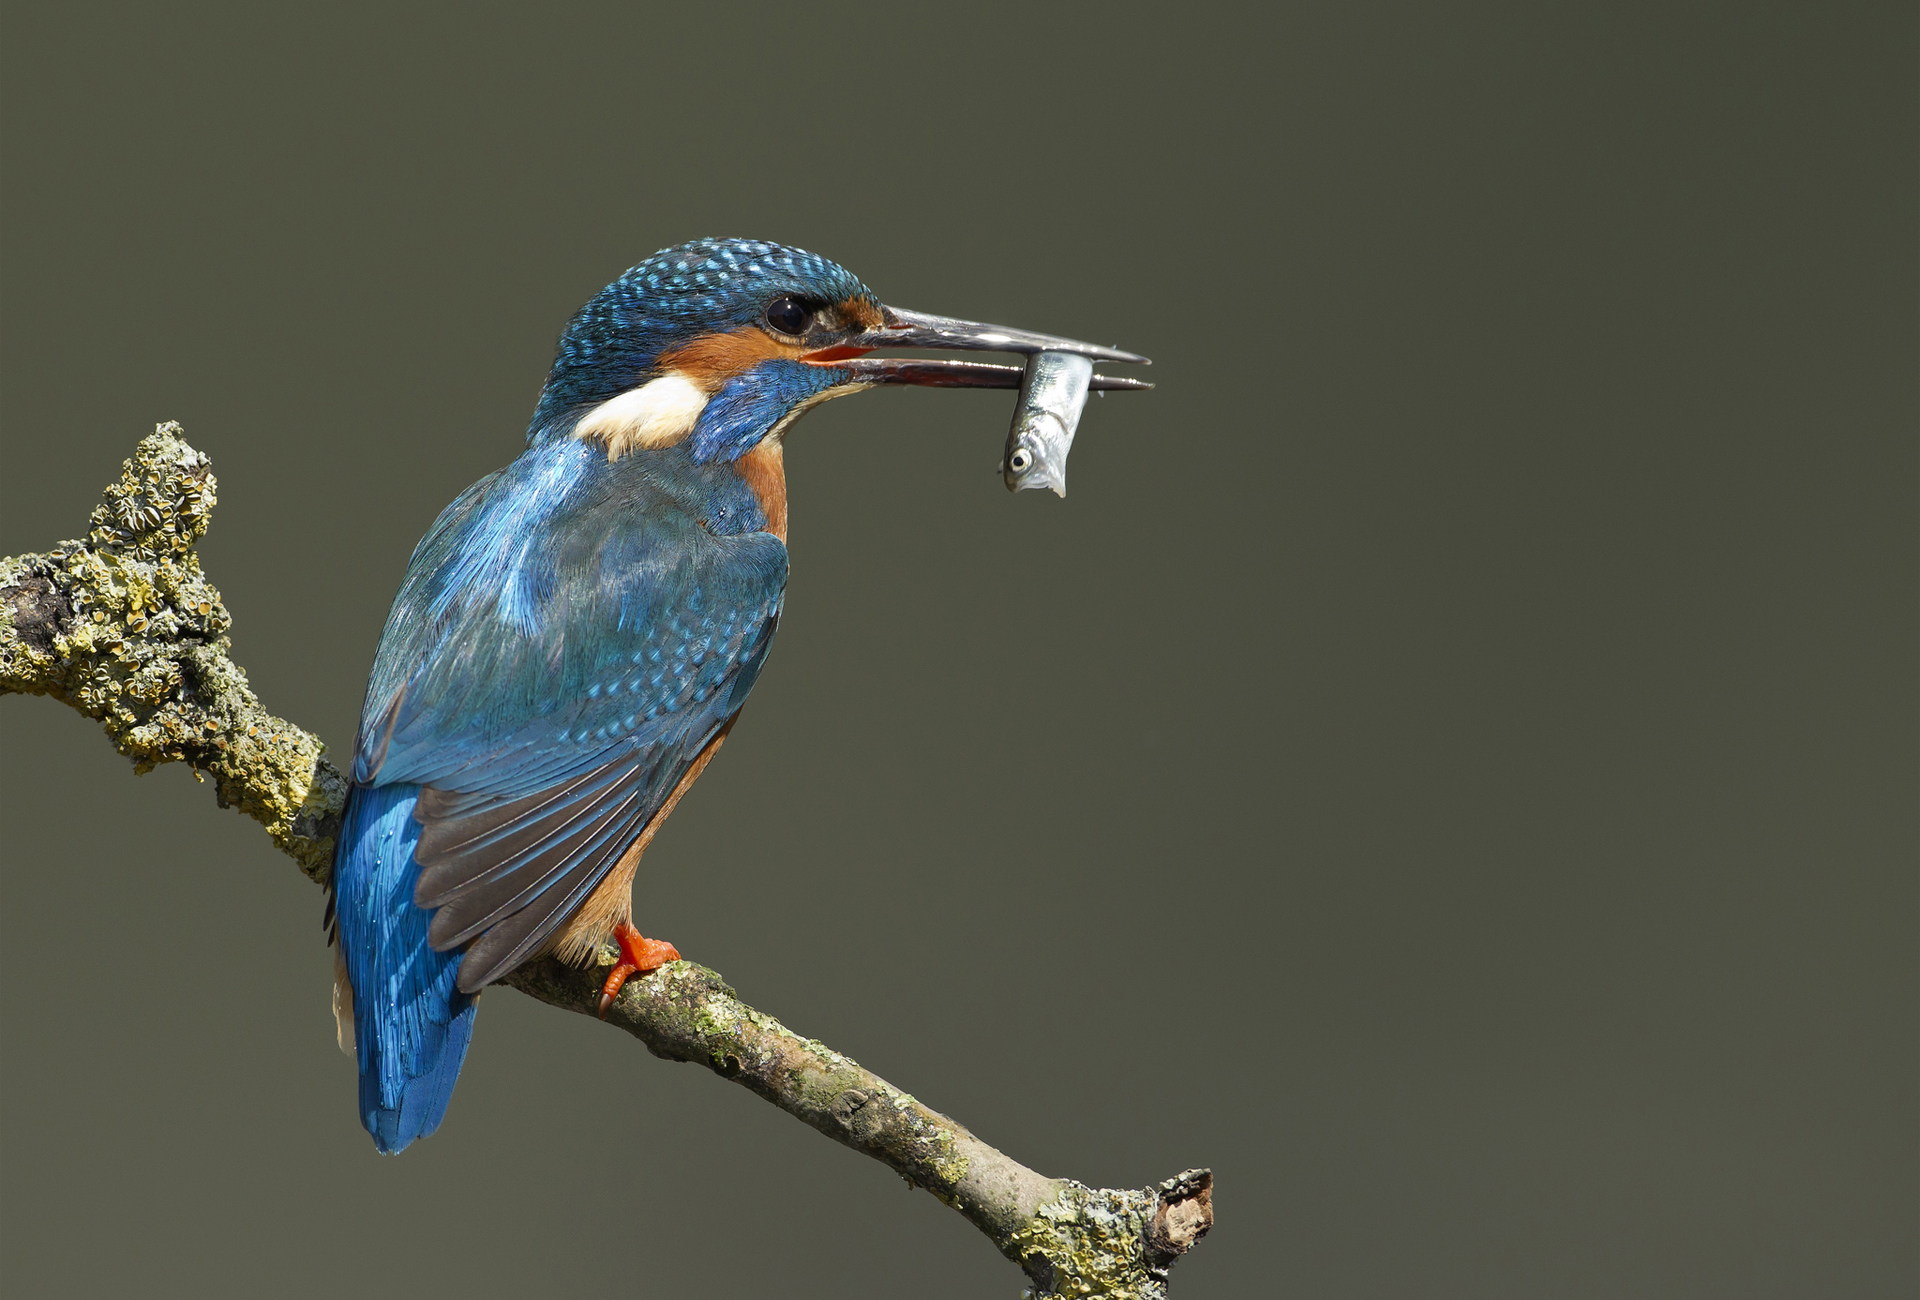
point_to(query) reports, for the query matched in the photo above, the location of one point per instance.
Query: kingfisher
(576, 635)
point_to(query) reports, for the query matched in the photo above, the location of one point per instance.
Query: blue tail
(410, 1024)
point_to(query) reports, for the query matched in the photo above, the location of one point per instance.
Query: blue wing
(561, 653)
(567, 641)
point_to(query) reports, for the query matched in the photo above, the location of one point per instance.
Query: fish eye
(1020, 461)
(788, 315)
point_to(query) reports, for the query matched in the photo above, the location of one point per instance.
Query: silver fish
(1052, 393)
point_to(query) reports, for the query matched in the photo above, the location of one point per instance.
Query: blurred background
(1449, 765)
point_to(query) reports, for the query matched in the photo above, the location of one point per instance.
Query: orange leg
(638, 955)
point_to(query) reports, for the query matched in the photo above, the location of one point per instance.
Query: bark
(124, 627)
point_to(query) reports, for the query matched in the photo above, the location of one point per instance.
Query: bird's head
(723, 343)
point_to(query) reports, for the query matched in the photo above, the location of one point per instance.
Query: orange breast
(612, 899)
(765, 471)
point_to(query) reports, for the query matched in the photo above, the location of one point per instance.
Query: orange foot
(638, 955)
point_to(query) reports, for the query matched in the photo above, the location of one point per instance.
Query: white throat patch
(656, 414)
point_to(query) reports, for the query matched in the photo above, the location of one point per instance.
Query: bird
(576, 634)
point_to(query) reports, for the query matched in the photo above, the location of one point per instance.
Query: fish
(1052, 393)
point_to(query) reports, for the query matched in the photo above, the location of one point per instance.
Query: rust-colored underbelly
(612, 901)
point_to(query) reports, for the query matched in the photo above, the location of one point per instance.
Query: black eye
(787, 315)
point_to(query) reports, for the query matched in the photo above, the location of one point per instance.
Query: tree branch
(125, 628)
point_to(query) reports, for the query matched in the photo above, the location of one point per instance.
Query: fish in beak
(1053, 384)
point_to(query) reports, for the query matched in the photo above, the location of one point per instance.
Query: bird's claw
(638, 955)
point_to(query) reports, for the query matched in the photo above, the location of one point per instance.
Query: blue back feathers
(570, 635)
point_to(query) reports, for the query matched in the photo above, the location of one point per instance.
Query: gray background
(1449, 766)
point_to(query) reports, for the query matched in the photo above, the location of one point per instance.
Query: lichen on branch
(124, 627)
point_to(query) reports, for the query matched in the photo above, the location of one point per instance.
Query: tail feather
(411, 1023)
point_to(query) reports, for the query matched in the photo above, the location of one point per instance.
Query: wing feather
(553, 666)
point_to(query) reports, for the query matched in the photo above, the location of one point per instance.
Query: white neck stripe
(656, 414)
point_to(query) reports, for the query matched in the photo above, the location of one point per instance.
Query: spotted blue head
(724, 343)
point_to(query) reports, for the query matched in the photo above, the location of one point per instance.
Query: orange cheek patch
(712, 359)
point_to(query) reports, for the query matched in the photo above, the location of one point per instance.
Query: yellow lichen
(125, 628)
(1091, 1239)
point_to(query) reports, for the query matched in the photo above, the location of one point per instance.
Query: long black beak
(913, 329)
